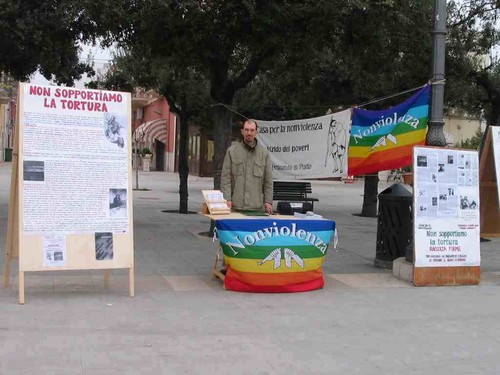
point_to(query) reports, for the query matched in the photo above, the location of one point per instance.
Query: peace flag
(382, 140)
(270, 255)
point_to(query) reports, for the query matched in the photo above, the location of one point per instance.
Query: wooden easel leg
(214, 270)
(131, 282)
(106, 278)
(216, 274)
(21, 287)
(6, 275)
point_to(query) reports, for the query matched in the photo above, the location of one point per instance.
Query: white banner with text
(308, 148)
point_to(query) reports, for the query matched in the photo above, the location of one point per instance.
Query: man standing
(247, 181)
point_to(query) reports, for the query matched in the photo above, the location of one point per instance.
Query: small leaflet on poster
(104, 246)
(54, 250)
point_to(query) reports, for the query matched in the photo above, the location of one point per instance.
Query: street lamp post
(435, 133)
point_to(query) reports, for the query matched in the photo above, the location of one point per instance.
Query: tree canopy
(472, 72)
(380, 48)
(44, 35)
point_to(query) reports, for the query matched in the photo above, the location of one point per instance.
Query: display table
(274, 253)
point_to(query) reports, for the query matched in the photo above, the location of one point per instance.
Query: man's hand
(269, 208)
(229, 204)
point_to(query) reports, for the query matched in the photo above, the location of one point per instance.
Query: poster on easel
(71, 194)
(446, 216)
(489, 175)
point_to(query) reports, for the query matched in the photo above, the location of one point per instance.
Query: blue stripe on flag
(226, 236)
(363, 117)
(252, 225)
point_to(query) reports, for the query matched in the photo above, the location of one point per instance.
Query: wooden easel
(488, 188)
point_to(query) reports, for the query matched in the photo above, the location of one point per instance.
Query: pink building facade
(154, 126)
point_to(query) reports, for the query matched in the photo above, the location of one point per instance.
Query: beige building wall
(459, 128)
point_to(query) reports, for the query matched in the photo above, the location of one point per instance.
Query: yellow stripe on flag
(403, 140)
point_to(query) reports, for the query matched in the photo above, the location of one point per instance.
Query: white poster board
(74, 191)
(446, 207)
(307, 148)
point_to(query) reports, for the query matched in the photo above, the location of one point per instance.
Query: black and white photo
(33, 170)
(115, 130)
(118, 203)
(104, 246)
(421, 161)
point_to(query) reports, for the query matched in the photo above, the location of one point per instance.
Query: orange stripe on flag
(382, 160)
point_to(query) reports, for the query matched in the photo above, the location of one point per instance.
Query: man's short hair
(249, 120)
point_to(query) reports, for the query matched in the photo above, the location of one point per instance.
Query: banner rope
(436, 82)
(230, 109)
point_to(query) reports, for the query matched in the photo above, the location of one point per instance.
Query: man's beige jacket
(247, 178)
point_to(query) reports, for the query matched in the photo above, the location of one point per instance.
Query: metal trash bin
(8, 154)
(394, 225)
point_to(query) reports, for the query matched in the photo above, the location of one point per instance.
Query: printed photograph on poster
(115, 131)
(427, 165)
(448, 204)
(54, 250)
(468, 203)
(118, 203)
(104, 246)
(33, 170)
(426, 200)
(447, 168)
(422, 208)
(422, 161)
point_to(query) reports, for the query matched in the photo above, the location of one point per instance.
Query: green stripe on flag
(260, 252)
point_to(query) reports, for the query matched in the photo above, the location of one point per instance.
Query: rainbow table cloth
(274, 255)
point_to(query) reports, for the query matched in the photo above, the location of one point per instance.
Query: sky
(100, 56)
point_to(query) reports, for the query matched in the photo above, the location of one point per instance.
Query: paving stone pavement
(181, 321)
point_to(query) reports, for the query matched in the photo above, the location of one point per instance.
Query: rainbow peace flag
(267, 255)
(382, 140)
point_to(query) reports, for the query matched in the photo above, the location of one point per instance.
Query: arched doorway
(159, 155)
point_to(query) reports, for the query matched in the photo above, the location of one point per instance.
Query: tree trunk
(223, 129)
(183, 158)
(370, 197)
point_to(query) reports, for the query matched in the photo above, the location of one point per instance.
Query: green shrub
(473, 142)
(146, 151)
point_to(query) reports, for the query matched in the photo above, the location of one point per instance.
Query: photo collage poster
(446, 207)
